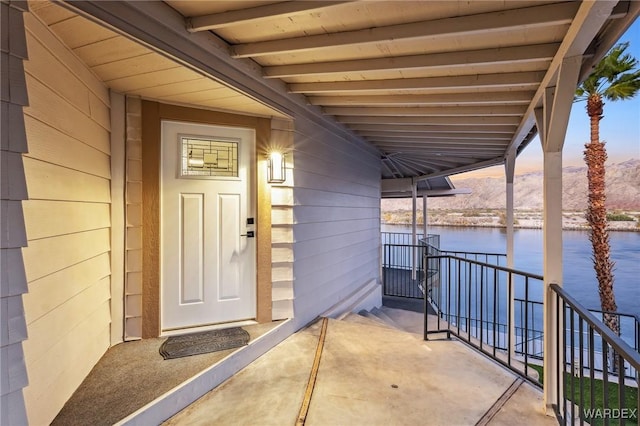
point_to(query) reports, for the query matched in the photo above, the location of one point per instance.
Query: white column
(424, 217)
(552, 120)
(509, 174)
(414, 229)
(552, 270)
(510, 165)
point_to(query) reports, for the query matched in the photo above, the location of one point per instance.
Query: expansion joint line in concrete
(500, 402)
(304, 409)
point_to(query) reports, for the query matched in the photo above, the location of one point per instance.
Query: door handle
(249, 234)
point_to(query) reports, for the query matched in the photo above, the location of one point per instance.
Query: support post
(414, 230)
(424, 218)
(510, 163)
(552, 271)
(552, 120)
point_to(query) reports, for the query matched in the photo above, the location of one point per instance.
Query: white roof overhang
(436, 87)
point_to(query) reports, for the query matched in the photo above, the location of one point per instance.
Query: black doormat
(203, 342)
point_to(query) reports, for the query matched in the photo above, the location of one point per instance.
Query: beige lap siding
(133, 214)
(67, 219)
(13, 283)
(282, 258)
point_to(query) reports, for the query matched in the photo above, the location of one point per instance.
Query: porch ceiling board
(422, 80)
(448, 84)
(424, 31)
(459, 99)
(129, 67)
(490, 60)
(469, 122)
(435, 149)
(435, 130)
(439, 137)
(430, 111)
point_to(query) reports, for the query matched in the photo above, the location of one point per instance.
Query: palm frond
(615, 77)
(625, 86)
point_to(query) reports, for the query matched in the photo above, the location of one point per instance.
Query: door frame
(152, 115)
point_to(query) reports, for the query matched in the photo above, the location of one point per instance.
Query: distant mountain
(623, 191)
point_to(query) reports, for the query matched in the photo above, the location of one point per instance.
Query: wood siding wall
(67, 220)
(13, 282)
(336, 216)
(282, 136)
(133, 214)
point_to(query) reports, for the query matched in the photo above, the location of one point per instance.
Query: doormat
(203, 342)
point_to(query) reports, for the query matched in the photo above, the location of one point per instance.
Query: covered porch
(362, 98)
(368, 368)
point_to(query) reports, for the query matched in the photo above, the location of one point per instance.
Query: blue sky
(620, 129)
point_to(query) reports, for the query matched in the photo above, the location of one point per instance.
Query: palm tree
(615, 78)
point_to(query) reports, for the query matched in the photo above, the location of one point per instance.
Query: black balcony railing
(403, 268)
(585, 394)
(490, 307)
(499, 311)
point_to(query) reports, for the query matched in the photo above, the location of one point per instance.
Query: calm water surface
(579, 276)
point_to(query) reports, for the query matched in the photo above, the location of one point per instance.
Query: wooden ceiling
(438, 87)
(127, 66)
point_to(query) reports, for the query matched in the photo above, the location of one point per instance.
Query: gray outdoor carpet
(203, 342)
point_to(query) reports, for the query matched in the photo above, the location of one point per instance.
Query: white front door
(208, 272)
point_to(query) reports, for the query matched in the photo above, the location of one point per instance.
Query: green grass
(630, 394)
(619, 217)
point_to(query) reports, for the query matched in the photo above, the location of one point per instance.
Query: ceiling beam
(455, 153)
(428, 162)
(436, 136)
(443, 161)
(245, 16)
(486, 82)
(500, 98)
(391, 167)
(437, 148)
(449, 121)
(425, 31)
(462, 169)
(560, 108)
(408, 165)
(440, 162)
(512, 110)
(584, 28)
(434, 130)
(438, 152)
(446, 60)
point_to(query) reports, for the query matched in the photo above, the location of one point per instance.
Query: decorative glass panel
(202, 156)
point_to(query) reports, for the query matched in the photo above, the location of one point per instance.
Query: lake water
(579, 276)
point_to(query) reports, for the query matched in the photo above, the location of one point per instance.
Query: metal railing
(498, 311)
(493, 258)
(488, 306)
(629, 326)
(399, 278)
(400, 255)
(579, 397)
(403, 269)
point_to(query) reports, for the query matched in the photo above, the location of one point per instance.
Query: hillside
(623, 191)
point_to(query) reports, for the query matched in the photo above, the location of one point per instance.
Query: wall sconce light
(276, 168)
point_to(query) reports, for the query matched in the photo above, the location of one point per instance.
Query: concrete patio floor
(131, 375)
(370, 374)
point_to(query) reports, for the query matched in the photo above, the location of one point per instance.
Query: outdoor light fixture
(276, 168)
